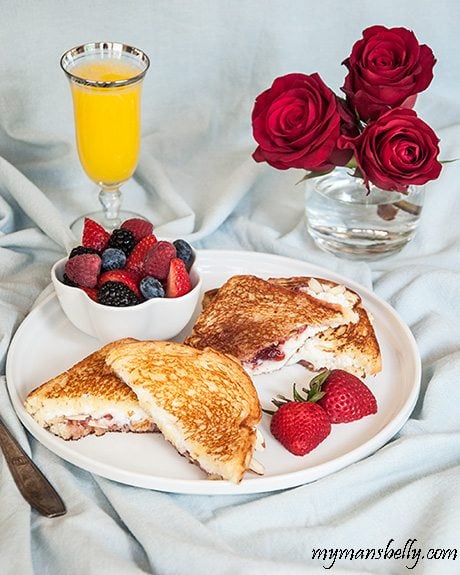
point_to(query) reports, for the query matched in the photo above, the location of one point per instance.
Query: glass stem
(111, 204)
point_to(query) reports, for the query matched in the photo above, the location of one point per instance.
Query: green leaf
(352, 163)
(296, 394)
(315, 393)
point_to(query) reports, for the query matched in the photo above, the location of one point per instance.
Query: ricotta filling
(105, 418)
(314, 353)
(255, 466)
(284, 351)
(338, 297)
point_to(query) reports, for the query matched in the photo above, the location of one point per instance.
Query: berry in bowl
(127, 283)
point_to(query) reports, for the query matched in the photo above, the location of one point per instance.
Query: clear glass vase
(346, 220)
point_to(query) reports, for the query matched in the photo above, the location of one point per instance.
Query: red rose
(387, 68)
(395, 151)
(297, 122)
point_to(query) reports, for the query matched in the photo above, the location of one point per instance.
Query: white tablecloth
(196, 180)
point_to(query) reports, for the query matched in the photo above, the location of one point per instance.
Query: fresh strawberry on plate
(300, 424)
(346, 398)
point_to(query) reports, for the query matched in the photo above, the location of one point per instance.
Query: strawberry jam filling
(271, 353)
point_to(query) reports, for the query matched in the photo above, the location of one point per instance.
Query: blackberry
(79, 250)
(151, 287)
(116, 294)
(113, 259)
(67, 281)
(185, 252)
(123, 240)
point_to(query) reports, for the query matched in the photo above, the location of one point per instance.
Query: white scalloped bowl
(157, 318)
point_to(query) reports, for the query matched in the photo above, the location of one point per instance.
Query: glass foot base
(99, 217)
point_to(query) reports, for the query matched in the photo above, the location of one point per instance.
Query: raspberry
(83, 270)
(151, 287)
(116, 294)
(135, 261)
(185, 252)
(94, 236)
(122, 240)
(79, 250)
(113, 259)
(178, 282)
(158, 258)
(140, 228)
(122, 276)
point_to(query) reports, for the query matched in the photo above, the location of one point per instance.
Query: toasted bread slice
(261, 323)
(352, 346)
(202, 401)
(324, 291)
(87, 398)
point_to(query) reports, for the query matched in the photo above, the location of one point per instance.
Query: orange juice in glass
(106, 80)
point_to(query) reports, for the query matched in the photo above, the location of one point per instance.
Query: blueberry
(151, 287)
(185, 252)
(113, 259)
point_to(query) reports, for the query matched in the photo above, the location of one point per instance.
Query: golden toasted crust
(202, 401)
(91, 376)
(248, 314)
(355, 339)
(208, 297)
(74, 403)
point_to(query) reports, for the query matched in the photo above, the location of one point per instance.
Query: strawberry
(158, 259)
(139, 227)
(94, 235)
(83, 270)
(346, 398)
(178, 282)
(135, 261)
(90, 292)
(123, 276)
(300, 425)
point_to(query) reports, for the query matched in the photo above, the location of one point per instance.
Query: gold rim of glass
(72, 56)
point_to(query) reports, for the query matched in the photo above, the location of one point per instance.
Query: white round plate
(46, 344)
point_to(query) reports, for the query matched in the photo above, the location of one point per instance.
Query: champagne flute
(105, 80)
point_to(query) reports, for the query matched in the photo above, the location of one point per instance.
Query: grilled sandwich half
(353, 346)
(202, 401)
(263, 324)
(87, 399)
